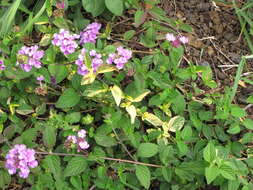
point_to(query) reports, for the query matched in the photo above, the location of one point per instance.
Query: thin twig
(122, 144)
(105, 158)
(222, 52)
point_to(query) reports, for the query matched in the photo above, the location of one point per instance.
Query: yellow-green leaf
(117, 94)
(131, 110)
(106, 68)
(92, 93)
(88, 79)
(151, 118)
(140, 97)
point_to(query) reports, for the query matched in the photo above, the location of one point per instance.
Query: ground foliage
(163, 122)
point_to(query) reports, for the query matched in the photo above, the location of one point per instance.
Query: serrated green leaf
(68, 99)
(147, 150)
(209, 152)
(49, 136)
(54, 165)
(211, 173)
(115, 6)
(75, 166)
(143, 175)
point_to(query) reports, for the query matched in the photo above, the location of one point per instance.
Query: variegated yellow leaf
(117, 94)
(88, 79)
(132, 112)
(153, 119)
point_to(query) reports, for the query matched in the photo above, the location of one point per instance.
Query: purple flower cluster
(29, 57)
(22, 159)
(120, 58)
(65, 41)
(79, 141)
(96, 61)
(89, 34)
(176, 41)
(2, 66)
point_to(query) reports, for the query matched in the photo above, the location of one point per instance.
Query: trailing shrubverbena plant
(83, 108)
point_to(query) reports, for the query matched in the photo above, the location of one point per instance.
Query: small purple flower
(83, 145)
(176, 41)
(79, 141)
(89, 34)
(20, 159)
(81, 133)
(2, 66)
(170, 37)
(65, 41)
(184, 39)
(60, 5)
(120, 58)
(29, 57)
(40, 78)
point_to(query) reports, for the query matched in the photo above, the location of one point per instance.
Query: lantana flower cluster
(20, 159)
(65, 41)
(78, 141)
(2, 66)
(29, 57)
(120, 58)
(96, 61)
(176, 41)
(89, 34)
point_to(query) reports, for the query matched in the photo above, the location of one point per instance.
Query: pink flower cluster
(65, 41)
(29, 57)
(78, 141)
(176, 41)
(120, 58)
(2, 66)
(20, 159)
(89, 34)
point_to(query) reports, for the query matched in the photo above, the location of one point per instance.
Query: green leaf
(75, 166)
(68, 99)
(49, 136)
(5, 179)
(209, 152)
(117, 94)
(227, 172)
(54, 166)
(105, 141)
(167, 174)
(248, 123)
(60, 72)
(115, 6)
(139, 18)
(129, 34)
(143, 175)
(147, 150)
(95, 7)
(238, 112)
(211, 173)
(73, 117)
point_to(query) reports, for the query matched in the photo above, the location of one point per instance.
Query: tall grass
(8, 18)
